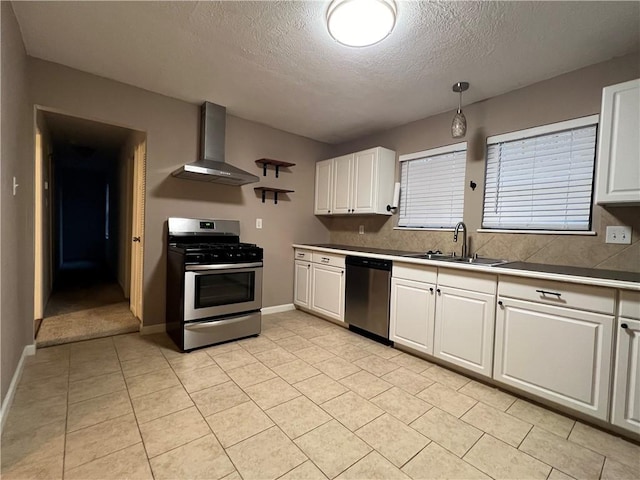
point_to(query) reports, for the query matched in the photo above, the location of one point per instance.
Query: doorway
(88, 205)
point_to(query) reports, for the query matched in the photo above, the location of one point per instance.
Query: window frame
(547, 129)
(432, 152)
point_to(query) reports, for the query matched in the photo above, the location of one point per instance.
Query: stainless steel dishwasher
(368, 286)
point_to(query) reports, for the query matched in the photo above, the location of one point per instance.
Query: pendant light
(459, 124)
(360, 23)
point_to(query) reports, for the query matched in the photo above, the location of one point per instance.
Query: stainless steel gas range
(214, 283)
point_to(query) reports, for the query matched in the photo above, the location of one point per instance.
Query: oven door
(216, 290)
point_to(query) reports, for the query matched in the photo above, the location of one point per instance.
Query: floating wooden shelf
(275, 191)
(276, 163)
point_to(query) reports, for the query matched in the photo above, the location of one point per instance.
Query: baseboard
(278, 308)
(28, 350)
(151, 329)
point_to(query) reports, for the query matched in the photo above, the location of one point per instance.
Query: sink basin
(430, 256)
(477, 261)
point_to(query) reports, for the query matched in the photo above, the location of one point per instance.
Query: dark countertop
(574, 271)
(378, 251)
(595, 273)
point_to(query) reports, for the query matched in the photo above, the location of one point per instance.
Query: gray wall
(568, 96)
(172, 139)
(16, 226)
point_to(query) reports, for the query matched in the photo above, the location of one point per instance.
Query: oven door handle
(226, 266)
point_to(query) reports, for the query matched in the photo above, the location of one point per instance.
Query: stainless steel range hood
(211, 167)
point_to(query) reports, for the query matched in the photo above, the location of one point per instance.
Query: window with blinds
(432, 187)
(541, 178)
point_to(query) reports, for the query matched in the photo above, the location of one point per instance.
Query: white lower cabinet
(302, 284)
(319, 283)
(464, 328)
(327, 290)
(560, 354)
(412, 314)
(625, 412)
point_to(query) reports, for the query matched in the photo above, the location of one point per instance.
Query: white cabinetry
(358, 183)
(302, 278)
(443, 313)
(618, 166)
(319, 283)
(342, 184)
(324, 187)
(626, 384)
(465, 318)
(549, 345)
(327, 295)
(413, 306)
(302, 287)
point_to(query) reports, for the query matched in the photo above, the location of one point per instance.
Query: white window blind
(541, 179)
(432, 187)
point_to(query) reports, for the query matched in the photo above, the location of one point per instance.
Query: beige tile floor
(307, 399)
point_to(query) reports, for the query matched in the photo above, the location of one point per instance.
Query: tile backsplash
(576, 250)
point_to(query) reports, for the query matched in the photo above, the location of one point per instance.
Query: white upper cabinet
(361, 183)
(342, 182)
(618, 166)
(324, 187)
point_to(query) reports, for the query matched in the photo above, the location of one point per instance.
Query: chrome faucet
(464, 238)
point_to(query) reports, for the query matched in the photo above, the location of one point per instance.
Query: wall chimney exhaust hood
(211, 167)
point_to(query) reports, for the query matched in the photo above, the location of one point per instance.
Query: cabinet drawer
(303, 255)
(328, 259)
(583, 297)
(629, 306)
(418, 273)
(473, 281)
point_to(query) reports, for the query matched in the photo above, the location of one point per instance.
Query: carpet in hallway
(97, 322)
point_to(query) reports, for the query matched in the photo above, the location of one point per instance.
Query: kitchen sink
(430, 256)
(477, 261)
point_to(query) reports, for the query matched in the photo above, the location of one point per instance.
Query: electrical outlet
(619, 235)
(361, 229)
(258, 223)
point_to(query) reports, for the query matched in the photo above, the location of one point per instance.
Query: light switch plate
(361, 229)
(258, 223)
(619, 235)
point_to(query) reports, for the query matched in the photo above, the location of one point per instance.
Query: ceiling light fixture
(360, 23)
(459, 124)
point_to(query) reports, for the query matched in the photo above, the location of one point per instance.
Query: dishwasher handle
(366, 262)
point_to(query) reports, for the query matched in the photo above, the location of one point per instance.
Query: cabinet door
(365, 181)
(464, 328)
(561, 354)
(342, 184)
(324, 190)
(327, 291)
(618, 170)
(412, 313)
(626, 383)
(302, 284)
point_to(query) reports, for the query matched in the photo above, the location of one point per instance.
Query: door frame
(136, 207)
(137, 229)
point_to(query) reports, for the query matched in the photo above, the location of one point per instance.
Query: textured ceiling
(275, 63)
